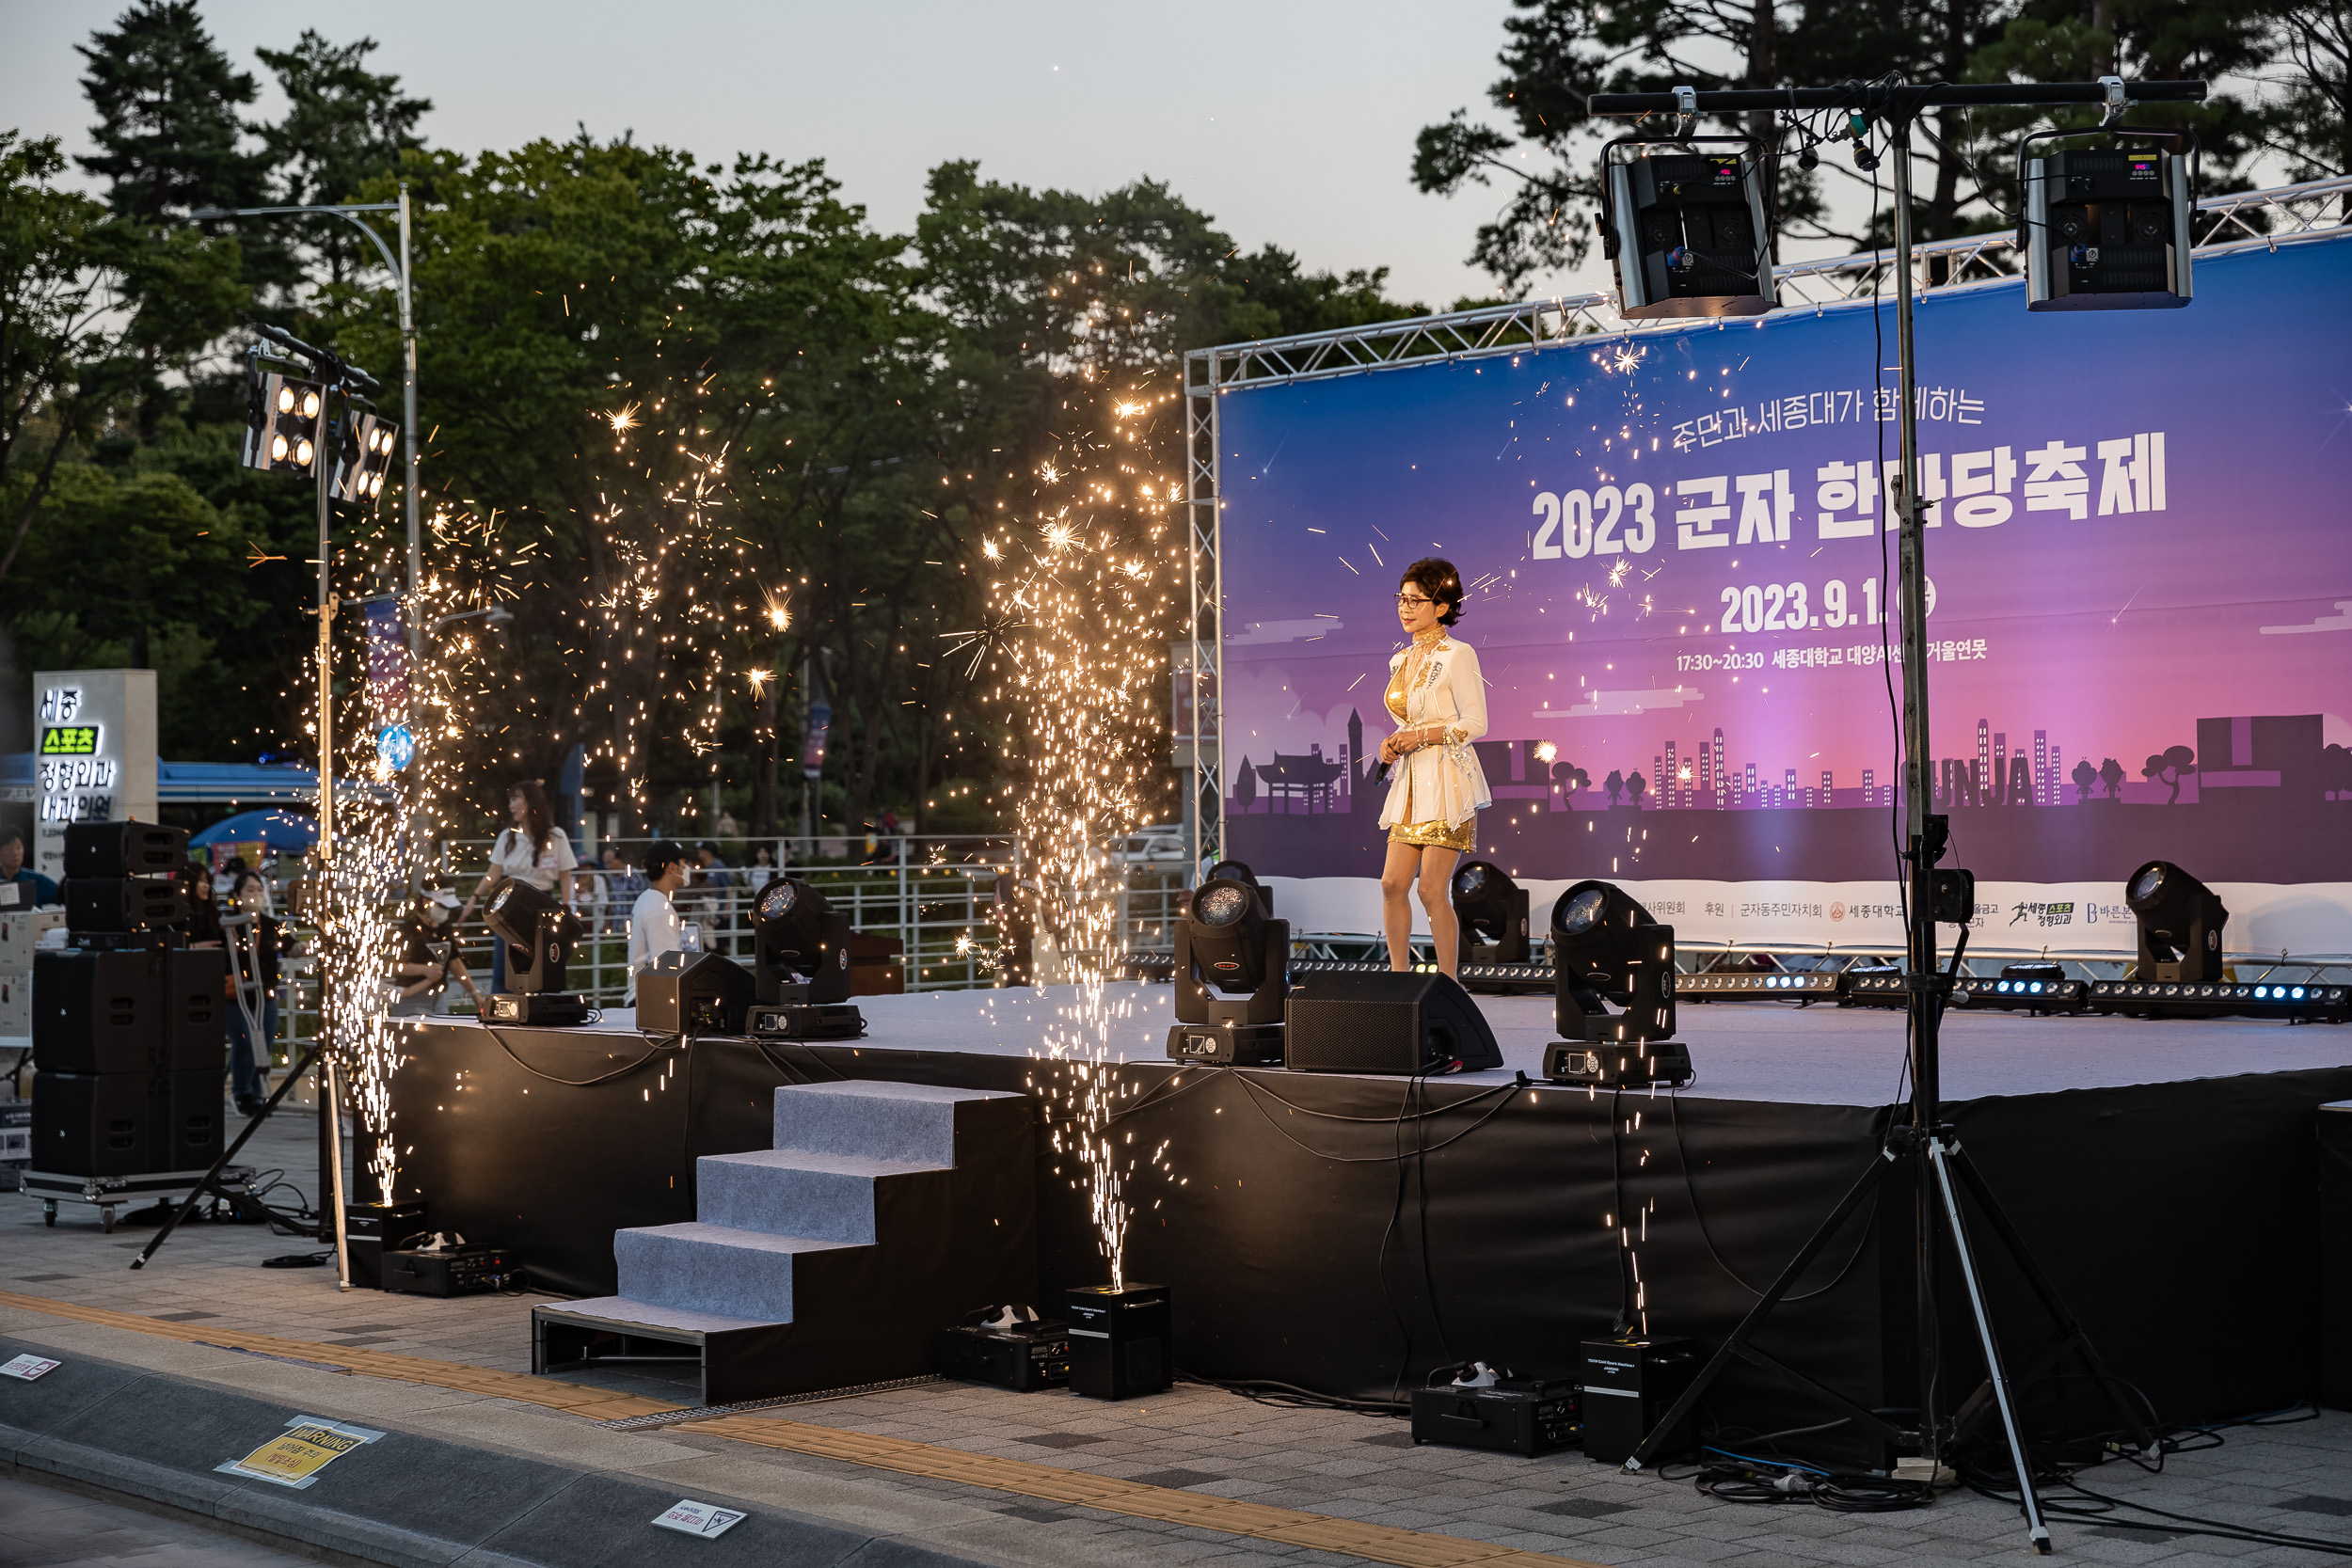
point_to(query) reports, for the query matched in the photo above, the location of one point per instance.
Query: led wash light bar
(2296, 1003)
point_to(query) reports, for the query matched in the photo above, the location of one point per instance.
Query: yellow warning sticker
(294, 1458)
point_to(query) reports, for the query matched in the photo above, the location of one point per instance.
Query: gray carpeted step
(795, 1192)
(910, 1122)
(712, 1268)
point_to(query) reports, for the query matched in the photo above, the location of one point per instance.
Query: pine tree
(169, 134)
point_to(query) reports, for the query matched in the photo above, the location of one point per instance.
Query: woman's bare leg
(1437, 898)
(1396, 910)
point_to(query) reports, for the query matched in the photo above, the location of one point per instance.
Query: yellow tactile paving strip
(597, 1404)
(1379, 1542)
(1078, 1488)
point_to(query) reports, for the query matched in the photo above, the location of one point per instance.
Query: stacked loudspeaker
(128, 1022)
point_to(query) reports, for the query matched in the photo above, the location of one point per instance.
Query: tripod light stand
(1924, 1147)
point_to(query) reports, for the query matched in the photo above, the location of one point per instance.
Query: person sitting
(653, 924)
(429, 958)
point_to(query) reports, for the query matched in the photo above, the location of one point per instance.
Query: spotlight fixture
(801, 965)
(365, 456)
(1687, 229)
(2180, 921)
(540, 935)
(1236, 871)
(1492, 913)
(1227, 943)
(1606, 948)
(2108, 229)
(281, 421)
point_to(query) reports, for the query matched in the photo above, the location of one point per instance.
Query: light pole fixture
(1921, 1145)
(349, 213)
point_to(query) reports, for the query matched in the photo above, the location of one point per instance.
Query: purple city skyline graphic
(2139, 621)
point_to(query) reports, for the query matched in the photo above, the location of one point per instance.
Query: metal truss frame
(2237, 221)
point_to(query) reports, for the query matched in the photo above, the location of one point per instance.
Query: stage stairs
(883, 1212)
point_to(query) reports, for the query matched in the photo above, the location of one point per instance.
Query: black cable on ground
(1289, 1396)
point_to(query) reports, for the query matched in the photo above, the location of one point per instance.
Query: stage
(1346, 1233)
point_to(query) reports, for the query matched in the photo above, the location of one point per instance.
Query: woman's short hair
(1441, 582)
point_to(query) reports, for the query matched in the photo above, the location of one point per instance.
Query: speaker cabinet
(100, 1011)
(1408, 1024)
(123, 904)
(100, 1123)
(123, 849)
(693, 993)
(196, 1009)
(189, 1135)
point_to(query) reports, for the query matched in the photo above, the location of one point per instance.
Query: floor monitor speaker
(1408, 1023)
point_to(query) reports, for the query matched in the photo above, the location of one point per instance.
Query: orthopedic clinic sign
(93, 754)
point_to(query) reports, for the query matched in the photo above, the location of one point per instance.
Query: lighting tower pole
(1894, 106)
(349, 213)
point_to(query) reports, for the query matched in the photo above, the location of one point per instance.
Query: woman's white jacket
(1444, 780)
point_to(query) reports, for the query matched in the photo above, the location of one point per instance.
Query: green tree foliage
(90, 308)
(647, 383)
(344, 125)
(1558, 52)
(168, 133)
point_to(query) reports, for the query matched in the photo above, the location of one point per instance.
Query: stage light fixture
(1237, 872)
(2108, 228)
(1817, 985)
(1687, 229)
(366, 455)
(540, 935)
(2294, 1001)
(2181, 922)
(1492, 913)
(281, 421)
(1232, 973)
(801, 965)
(1606, 948)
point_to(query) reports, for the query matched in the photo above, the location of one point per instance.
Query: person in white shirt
(533, 851)
(653, 923)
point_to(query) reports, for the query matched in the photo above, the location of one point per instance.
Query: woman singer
(1437, 788)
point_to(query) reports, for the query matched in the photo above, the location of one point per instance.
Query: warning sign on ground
(294, 1459)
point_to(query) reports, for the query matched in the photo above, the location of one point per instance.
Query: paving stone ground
(2292, 1477)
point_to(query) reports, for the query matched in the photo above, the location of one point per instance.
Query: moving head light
(801, 965)
(1606, 948)
(540, 935)
(1492, 910)
(1226, 944)
(2180, 921)
(1235, 871)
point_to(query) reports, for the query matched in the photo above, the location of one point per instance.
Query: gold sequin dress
(1432, 833)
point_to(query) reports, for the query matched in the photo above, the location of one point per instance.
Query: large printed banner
(1678, 544)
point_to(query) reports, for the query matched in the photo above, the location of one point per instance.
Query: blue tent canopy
(278, 830)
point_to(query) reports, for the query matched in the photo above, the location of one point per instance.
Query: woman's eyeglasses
(1408, 601)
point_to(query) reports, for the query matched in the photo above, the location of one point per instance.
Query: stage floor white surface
(1816, 1056)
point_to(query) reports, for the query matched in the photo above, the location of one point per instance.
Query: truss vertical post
(1205, 596)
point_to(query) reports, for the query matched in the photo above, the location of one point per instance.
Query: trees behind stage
(643, 377)
(2279, 68)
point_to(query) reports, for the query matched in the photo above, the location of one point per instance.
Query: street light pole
(349, 213)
